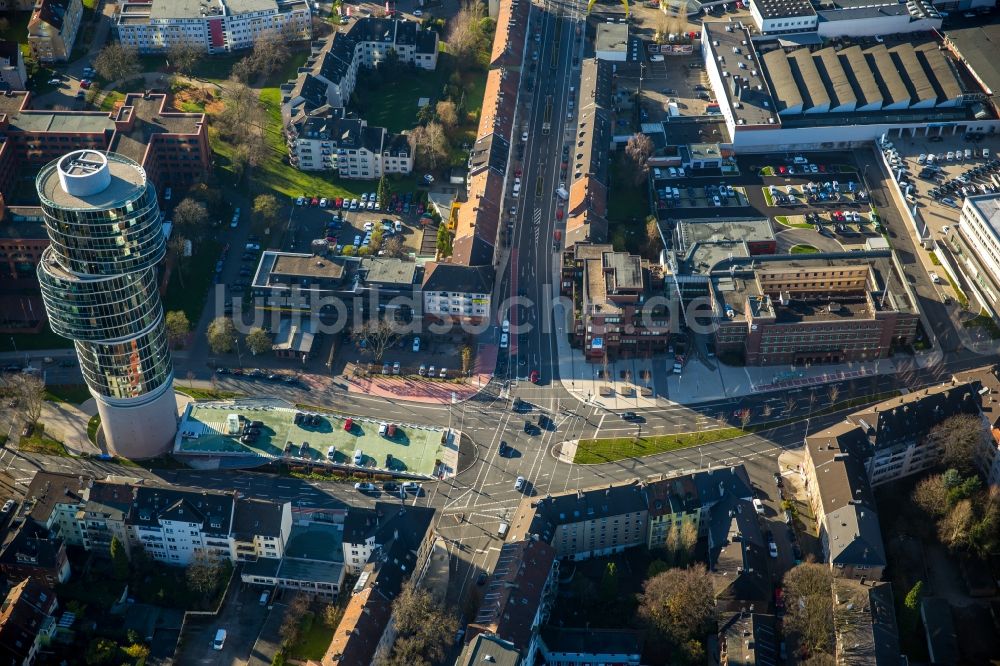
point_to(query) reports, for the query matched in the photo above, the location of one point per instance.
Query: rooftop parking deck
(205, 430)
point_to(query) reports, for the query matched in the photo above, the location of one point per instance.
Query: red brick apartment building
(171, 146)
(608, 290)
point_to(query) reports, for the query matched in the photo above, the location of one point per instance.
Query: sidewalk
(67, 423)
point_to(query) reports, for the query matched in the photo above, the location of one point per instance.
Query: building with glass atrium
(98, 280)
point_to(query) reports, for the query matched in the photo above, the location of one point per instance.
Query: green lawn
(803, 249)
(597, 451)
(312, 644)
(628, 207)
(985, 321)
(768, 199)
(199, 268)
(206, 394)
(72, 393)
(93, 425)
(792, 221)
(393, 104)
(39, 442)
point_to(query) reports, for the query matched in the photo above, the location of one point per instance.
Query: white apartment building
(457, 293)
(320, 136)
(173, 526)
(979, 229)
(323, 141)
(260, 529)
(218, 26)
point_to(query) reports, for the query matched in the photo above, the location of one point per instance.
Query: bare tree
(190, 213)
(393, 247)
(654, 243)
(465, 35)
(184, 55)
(931, 495)
(809, 600)
(639, 149)
(270, 51)
(466, 359)
(29, 389)
(958, 438)
(176, 246)
(954, 528)
(292, 620)
(430, 146)
(679, 603)
(790, 404)
(446, 113)
(425, 629)
(203, 573)
(833, 392)
(377, 335)
(117, 61)
(745, 416)
(266, 209)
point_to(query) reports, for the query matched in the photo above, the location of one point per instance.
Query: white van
(502, 532)
(220, 639)
(264, 596)
(798, 159)
(331, 452)
(359, 456)
(382, 429)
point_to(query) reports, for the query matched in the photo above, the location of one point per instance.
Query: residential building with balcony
(585, 523)
(690, 498)
(13, 76)
(27, 622)
(975, 242)
(175, 526)
(320, 136)
(827, 308)
(260, 529)
(609, 291)
(324, 140)
(52, 29)
(456, 293)
(518, 596)
(581, 647)
(214, 26)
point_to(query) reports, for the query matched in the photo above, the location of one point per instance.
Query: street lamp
(239, 356)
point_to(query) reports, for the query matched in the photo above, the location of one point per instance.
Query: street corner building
(98, 280)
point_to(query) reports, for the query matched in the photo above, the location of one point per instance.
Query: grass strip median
(596, 451)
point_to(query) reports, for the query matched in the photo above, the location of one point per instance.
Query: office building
(52, 29)
(100, 289)
(975, 242)
(828, 308)
(215, 26)
(610, 291)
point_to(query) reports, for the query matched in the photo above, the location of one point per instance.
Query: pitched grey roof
(212, 511)
(854, 536)
(257, 517)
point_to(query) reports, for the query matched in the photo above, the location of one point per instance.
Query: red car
(559, 214)
(779, 599)
(782, 170)
(420, 209)
(314, 202)
(517, 172)
(533, 376)
(338, 202)
(822, 168)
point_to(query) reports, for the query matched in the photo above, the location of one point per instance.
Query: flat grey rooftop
(126, 180)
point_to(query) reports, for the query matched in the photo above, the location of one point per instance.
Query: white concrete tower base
(140, 431)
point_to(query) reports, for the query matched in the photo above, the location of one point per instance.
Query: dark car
(629, 416)
(390, 487)
(503, 448)
(222, 371)
(481, 580)
(28, 429)
(528, 427)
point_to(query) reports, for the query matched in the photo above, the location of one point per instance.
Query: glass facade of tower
(98, 276)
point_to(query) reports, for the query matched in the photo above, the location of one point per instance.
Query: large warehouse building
(775, 96)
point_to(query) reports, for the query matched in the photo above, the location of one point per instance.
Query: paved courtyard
(413, 449)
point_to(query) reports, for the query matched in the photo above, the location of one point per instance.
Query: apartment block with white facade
(174, 526)
(454, 293)
(259, 529)
(217, 26)
(324, 140)
(319, 133)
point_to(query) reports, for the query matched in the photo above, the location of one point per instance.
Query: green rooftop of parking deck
(205, 430)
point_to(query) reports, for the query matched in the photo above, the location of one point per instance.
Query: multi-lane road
(482, 495)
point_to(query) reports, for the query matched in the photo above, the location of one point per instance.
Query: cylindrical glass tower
(98, 280)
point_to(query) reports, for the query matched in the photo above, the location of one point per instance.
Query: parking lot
(935, 185)
(279, 432)
(346, 226)
(242, 616)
